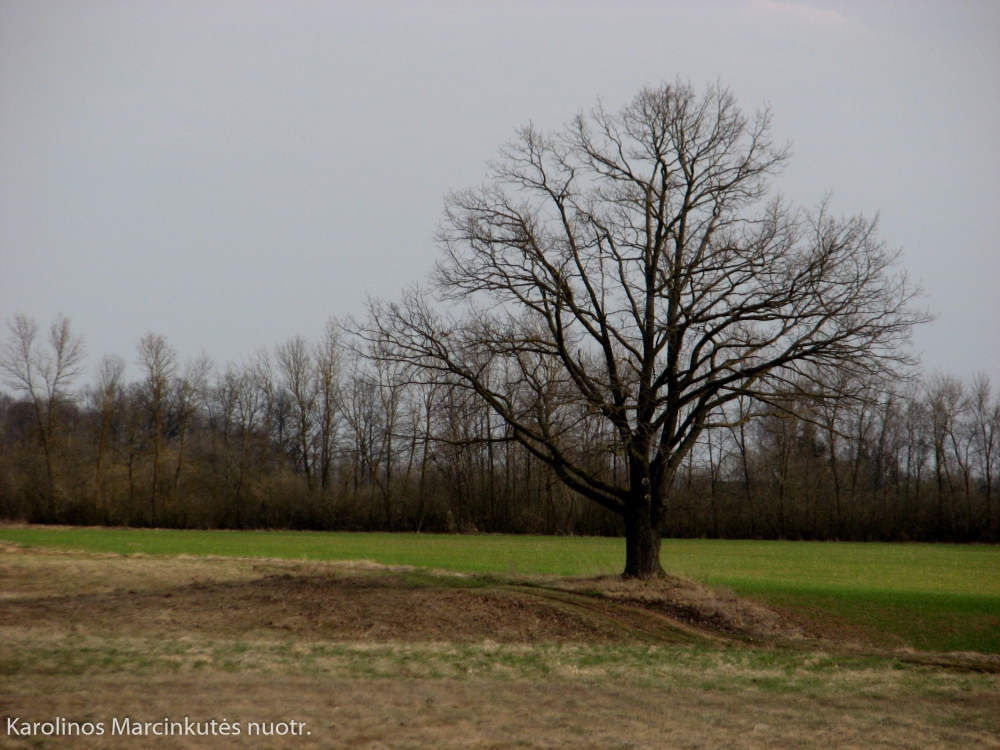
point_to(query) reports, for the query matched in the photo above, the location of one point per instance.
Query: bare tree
(159, 361)
(297, 368)
(389, 384)
(945, 397)
(916, 453)
(986, 427)
(742, 409)
(361, 414)
(222, 408)
(44, 375)
(424, 400)
(106, 397)
(261, 373)
(631, 268)
(327, 372)
(248, 410)
(189, 390)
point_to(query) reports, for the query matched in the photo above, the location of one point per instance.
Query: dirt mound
(716, 610)
(352, 601)
(348, 605)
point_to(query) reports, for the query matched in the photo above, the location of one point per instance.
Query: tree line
(335, 434)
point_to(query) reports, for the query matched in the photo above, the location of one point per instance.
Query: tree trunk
(642, 544)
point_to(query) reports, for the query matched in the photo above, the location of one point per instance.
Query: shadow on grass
(930, 621)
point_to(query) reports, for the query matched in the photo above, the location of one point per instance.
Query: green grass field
(935, 597)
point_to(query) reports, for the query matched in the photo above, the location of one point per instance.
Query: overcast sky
(232, 174)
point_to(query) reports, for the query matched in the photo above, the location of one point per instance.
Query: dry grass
(374, 657)
(364, 713)
(716, 610)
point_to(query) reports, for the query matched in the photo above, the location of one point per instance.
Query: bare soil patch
(339, 606)
(335, 606)
(716, 611)
(361, 601)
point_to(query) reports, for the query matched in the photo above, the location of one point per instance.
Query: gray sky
(232, 174)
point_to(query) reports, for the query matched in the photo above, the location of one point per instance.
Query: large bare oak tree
(633, 269)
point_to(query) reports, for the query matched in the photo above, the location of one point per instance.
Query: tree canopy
(635, 270)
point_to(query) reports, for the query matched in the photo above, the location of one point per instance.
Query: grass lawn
(937, 597)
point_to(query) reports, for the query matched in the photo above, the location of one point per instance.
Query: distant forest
(326, 435)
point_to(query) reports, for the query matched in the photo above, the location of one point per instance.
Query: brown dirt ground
(339, 606)
(92, 594)
(352, 601)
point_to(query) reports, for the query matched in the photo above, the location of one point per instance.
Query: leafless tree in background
(225, 394)
(261, 372)
(986, 430)
(296, 366)
(44, 375)
(631, 268)
(158, 360)
(945, 398)
(106, 397)
(912, 460)
(189, 391)
(327, 363)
